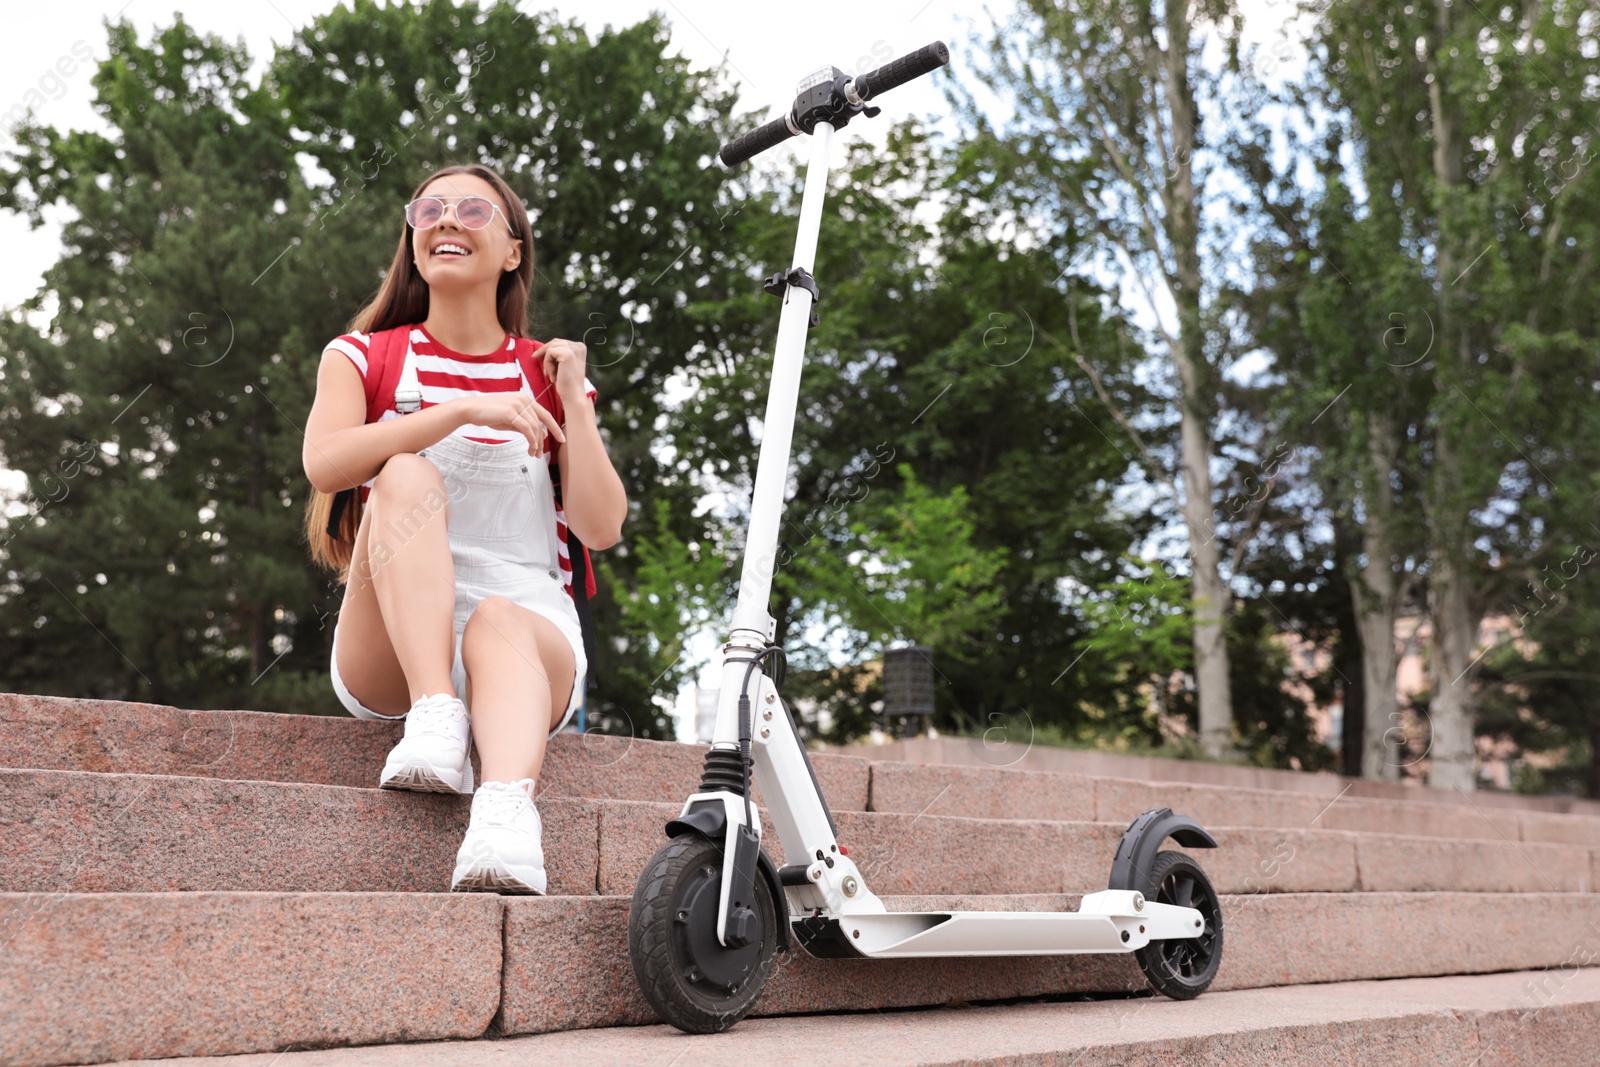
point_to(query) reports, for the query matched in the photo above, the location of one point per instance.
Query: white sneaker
(501, 852)
(435, 755)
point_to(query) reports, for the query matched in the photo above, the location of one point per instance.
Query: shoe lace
(500, 802)
(435, 715)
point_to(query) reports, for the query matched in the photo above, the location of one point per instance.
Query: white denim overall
(502, 533)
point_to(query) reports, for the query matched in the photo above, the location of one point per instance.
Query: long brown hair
(402, 300)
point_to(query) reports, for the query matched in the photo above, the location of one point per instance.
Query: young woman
(455, 536)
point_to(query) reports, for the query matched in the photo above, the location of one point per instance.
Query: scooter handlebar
(756, 141)
(924, 60)
(874, 83)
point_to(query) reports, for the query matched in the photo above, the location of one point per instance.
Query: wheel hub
(706, 963)
(1187, 958)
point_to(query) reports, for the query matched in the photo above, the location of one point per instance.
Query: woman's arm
(591, 491)
(341, 449)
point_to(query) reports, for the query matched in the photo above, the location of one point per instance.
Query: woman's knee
(408, 474)
(498, 616)
(409, 490)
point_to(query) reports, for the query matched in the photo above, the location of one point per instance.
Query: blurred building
(1496, 760)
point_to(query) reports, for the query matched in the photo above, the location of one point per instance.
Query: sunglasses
(473, 212)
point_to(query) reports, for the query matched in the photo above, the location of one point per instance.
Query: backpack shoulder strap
(527, 348)
(385, 360)
(584, 586)
(383, 371)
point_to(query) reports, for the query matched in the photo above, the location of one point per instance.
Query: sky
(764, 63)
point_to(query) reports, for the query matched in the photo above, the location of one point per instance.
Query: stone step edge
(1270, 940)
(118, 833)
(579, 943)
(1484, 1019)
(620, 802)
(202, 749)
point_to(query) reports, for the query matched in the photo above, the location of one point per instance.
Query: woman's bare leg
(520, 674)
(397, 635)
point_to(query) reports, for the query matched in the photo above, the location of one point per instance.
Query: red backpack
(386, 352)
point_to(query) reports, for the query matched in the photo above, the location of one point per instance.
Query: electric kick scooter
(710, 910)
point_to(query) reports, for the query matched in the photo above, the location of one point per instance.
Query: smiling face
(476, 257)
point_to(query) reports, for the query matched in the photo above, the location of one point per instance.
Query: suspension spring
(724, 772)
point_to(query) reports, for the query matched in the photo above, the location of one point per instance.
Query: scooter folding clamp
(778, 285)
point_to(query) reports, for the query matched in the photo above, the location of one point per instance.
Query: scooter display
(711, 910)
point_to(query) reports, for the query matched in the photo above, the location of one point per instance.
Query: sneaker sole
(496, 878)
(420, 776)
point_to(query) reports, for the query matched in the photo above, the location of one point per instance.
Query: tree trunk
(1380, 744)
(1594, 756)
(1353, 725)
(1455, 629)
(1455, 632)
(1212, 597)
(1376, 596)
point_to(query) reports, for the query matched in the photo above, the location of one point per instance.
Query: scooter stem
(751, 620)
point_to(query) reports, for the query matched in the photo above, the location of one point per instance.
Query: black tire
(693, 981)
(1182, 968)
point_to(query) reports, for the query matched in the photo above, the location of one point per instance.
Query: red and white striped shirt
(444, 374)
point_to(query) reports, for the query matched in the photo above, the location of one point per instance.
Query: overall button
(553, 574)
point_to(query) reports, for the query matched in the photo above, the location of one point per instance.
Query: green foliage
(915, 576)
(675, 589)
(159, 538)
(1144, 618)
(1539, 683)
(931, 351)
(1270, 722)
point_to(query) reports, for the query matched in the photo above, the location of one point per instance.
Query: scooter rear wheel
(1182, 968)
(692, 980)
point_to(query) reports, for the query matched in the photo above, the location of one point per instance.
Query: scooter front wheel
(1182, 968)
(692, 980)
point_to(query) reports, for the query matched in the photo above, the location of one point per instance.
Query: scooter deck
(1109, 921)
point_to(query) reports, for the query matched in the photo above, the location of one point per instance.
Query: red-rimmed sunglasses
(473, 212)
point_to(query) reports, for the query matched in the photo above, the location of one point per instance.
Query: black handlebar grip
(899, 71)
(756, 141)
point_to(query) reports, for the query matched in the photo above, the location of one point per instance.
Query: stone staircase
(178, 883)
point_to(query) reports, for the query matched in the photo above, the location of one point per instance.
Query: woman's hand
(566, 364)
(517, 412)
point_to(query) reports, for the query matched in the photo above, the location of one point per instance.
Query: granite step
(93, 977)
(1014, 747)
(75, 831)
(118, 737)
(1465, 1021)
(106, 736)
(987, 792)
(1269, 940)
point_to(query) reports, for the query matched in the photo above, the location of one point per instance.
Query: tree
(1142, 622)
(157, 547)
(1108, 95)
(1352, 399)
(1457, 120)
